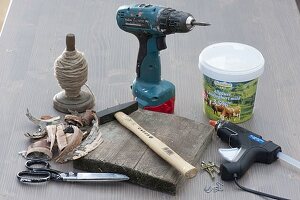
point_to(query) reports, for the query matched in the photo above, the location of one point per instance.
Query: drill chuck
(172, 21)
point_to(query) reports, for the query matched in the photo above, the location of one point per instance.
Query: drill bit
(194, 23)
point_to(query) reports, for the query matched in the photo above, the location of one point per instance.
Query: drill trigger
(161, 43)
(143, 39)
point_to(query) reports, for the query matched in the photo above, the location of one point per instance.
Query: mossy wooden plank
(123, 152)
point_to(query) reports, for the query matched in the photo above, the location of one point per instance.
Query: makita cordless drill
(150, 24)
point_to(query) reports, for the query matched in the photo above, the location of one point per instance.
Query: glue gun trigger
(232, 154)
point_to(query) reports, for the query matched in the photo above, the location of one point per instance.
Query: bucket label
(232, 101)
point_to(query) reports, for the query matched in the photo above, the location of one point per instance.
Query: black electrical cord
(257, 192)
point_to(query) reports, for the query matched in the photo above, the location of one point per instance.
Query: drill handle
(143, 40)
(148, 67)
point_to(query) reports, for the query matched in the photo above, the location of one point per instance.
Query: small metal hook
(207, 189)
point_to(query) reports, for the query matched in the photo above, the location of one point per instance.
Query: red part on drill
(213, 123)
(166, 107)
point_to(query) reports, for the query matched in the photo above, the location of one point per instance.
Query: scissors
(45, 173)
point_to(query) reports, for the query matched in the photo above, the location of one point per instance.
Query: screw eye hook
(207, 189)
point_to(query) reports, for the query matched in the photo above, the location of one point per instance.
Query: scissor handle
(42, 166)
(34, 176)
(30, 165)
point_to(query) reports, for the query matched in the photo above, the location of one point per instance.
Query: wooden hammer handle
(157, 146)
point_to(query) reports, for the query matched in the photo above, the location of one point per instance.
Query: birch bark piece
(42, 123)
(75, 141)
(61, 137)
(74, 120)
(88, 117)
(93, 140)
(51, 131)
(40, 133)
(39, 150)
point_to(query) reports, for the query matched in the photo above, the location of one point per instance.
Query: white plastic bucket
(230, 76)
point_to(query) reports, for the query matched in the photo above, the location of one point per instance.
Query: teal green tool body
(150, 24)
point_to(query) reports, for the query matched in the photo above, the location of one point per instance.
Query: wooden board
(124, 152)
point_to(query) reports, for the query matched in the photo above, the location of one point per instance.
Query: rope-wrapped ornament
(71, 70)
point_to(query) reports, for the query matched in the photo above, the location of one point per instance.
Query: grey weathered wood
(34, 35)
(123, 152)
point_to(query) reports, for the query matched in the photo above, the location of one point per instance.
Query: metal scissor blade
(93, 177)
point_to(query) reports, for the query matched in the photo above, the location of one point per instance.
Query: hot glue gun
(246, 148)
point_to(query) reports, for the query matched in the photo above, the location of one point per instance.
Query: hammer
(121, 112)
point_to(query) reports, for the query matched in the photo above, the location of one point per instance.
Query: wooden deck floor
(34, 35)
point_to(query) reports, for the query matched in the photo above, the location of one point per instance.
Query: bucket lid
(232, 62)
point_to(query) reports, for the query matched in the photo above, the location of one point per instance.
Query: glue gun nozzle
(213, 122)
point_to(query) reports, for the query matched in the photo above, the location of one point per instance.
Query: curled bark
(42, 123)
(39, 150)
(88, 117)
(40, 133)
(51, 131)
(74, 120)
(75, 140)
(72, 143)
(93, 140)
(61, 137)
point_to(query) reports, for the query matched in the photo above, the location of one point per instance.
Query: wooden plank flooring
(34, 36)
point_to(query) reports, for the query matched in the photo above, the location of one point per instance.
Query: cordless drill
(150, 24)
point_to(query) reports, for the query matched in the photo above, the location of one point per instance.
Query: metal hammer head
(108, 115)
